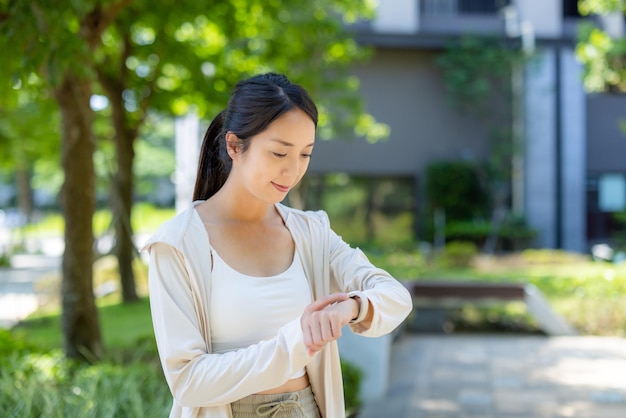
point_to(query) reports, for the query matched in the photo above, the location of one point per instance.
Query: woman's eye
(279, 155)
(306, 155)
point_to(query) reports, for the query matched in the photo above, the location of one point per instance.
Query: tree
(482, 79)
(602, 55)
(169, 57)
(25, 141)
(193, 61)
(56, 43)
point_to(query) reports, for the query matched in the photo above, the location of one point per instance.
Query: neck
(237, 206)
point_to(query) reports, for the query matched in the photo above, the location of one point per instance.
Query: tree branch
(96, 21)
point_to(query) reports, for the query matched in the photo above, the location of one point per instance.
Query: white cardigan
(204, 384)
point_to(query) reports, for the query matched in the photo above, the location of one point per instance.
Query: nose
(293, 167)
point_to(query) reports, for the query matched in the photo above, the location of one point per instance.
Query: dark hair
(253, 105)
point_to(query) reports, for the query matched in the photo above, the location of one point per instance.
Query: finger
(316, 331)
(308, 338)
(326, 330)
(323, 302)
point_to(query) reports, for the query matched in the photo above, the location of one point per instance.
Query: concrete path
(18, 296)
(491, 376)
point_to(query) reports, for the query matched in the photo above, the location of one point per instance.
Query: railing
(461, 7)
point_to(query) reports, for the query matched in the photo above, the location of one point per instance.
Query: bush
(459, 254)
(11, 345)
(512, 235)
(49, 386)
(456, 187)
(5, 260)
(352, 377)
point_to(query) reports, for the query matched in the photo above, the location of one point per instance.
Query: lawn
(123, 326)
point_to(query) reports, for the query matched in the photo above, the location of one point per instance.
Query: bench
(445, 293)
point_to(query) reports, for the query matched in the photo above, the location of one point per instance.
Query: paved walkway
(18, 296)
(491, 376)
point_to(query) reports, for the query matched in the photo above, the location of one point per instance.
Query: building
(572, 169)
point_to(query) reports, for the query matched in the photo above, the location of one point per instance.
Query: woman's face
(277, 158)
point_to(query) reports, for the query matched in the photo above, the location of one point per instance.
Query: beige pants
(300, 404)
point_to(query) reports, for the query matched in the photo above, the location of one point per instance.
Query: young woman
(248, 296)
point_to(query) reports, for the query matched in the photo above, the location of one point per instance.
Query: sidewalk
(18, 297)
(491, 376)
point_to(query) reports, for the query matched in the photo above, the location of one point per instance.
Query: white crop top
(246, 309)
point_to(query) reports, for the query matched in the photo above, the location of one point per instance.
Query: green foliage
(587, 7)
(476, 69)
(10, 344)
(456, 188)
(5, 260)
(48, 386)
(482, 76)
(512, 235)
(146, 218)
(512, 317)
(602, 58)
(122, 326)
(129, 380)
(194, 60)
(404, 264)
(366, 211)
(352, 377)
(459, 254)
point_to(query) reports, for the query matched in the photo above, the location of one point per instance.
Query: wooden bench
(445, 294)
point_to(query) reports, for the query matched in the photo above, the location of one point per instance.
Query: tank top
(245, 310)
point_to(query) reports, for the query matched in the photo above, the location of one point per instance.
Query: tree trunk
(81, 330)
(123, 183)
(122, 191)
(370, 208)
(25, 192)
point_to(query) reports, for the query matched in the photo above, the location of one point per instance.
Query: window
(456, 7)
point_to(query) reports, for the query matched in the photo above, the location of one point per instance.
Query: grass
(49, 386)
(129, 382)
(590, 295)
(122, 326)
(145, 218)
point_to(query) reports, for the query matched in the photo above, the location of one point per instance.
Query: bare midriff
(292, 385)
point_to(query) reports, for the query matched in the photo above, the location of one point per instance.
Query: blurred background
(478, 140)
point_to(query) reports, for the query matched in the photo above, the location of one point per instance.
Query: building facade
(567, 140)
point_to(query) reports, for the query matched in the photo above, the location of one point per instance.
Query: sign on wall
(612, 193)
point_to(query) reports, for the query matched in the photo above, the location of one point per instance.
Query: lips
(280, 188)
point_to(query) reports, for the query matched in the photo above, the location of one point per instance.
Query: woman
(248, 296)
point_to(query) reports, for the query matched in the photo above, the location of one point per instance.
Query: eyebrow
(289, 144)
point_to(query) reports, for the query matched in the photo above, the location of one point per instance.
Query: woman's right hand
(323, 319)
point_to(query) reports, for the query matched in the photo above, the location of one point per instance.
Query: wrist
(362, 307)
(356, 307)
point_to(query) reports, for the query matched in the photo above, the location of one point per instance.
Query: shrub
(512, 235)
(459, 254)
(456, 187)
(352, 377)
(5, 260)
(49, 386)
(10, 345)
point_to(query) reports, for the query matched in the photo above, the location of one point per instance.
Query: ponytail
(214, 164)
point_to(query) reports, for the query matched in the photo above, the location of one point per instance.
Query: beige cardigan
(204, 384)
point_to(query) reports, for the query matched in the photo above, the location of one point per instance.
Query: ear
(233, 144)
